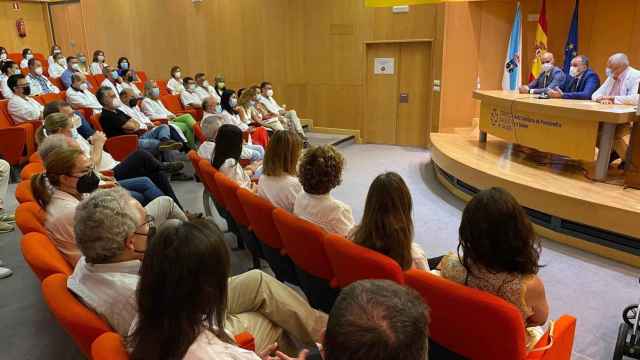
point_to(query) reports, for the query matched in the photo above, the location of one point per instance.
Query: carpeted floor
(593, 289)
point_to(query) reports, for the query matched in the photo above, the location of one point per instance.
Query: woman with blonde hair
(245, 109)
(279, 181)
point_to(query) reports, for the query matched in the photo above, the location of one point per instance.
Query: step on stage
(564, 205)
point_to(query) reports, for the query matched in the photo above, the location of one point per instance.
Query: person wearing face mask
(288, 118)
(551, 77)
(4, 55)
(27, 55)
(219, 86)
(123, 65)
(245, 108)
(39, 83)
(189, 97)
(57, 68)
(112, 79)
(55, 50)
(203, 89)
(210, 106)
(73, 67)
(581, 83)
(82, 64)
(129, 78)
(230, 112)
(98, 62)
(68, 178)
(175, 83)
(153, 108)
(79, 96)
(22, 107)
(8, 68)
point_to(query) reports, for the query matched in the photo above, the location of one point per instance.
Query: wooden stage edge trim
(605, 251)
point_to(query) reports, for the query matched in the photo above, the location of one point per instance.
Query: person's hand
(266, 353)
(556, 94)
(605, 102)
(98, 138)
(524, 89)
(108, 185)
(302, 356)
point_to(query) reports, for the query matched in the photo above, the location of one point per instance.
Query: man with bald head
(581, 83)
(551, 77)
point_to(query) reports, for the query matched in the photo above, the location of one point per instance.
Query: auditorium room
(320, 179)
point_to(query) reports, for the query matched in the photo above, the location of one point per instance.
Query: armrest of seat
(121, 146)
(246, 341)
(564, 331)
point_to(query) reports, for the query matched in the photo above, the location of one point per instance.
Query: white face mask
(270, 93)
(100, 58)
(75, 67)
(39, 70)
(84, 86)
(205, 83)
(191, 87)
(609, 72)
(3, 56)
(155, 92)
(546, 67)
(573, 71)
(56, 51)
(233, 102)
(29, 56)
(17, 72)
(177, 75)
(60, 62)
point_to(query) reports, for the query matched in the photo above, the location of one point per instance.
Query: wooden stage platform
(565, 206)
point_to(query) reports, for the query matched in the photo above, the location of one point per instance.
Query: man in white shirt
(189, 97)
(291, 116)
(8, 68)
(58, 66)
(112, 79)
(38, 82)
(107, 275)
(22, 107)
(203, 89)
(621, 87)
(78, 95)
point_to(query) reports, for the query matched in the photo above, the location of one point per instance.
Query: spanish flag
(541, 42)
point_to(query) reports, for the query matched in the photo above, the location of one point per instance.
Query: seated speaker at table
(551, 77)
(581, 83)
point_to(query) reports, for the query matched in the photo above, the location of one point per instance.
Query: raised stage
(564, 205)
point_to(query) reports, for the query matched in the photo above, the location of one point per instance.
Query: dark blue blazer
(585, 86)
(554, 79)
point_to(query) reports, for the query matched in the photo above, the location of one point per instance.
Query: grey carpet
(593, 289)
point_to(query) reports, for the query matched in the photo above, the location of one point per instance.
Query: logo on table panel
(501, 119)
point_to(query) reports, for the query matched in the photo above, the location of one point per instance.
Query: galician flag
(541, 42)
(512, 77)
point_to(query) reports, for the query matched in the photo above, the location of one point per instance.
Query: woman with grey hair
(155, 110)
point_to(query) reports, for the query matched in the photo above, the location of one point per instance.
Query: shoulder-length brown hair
(282, 154)
(386, 225)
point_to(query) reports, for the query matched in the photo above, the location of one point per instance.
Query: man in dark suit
(551, 77)
(581, 83)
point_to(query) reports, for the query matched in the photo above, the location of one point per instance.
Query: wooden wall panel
(67, 20)
(35, 16)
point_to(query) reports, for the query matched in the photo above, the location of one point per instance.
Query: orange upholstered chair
(94, 84)
(31, 169)
(121, 146)
(229, 188)
(304, 243)
(99, 78)
(80, 322)
(162, 85)
(208, 174)
(173, 104)
(15, 57)
(44, 99)
(142, 76)
(29, 128)
(260, 214)
(351, 262)
(35, 158)
(94, 119)
(30, 217)
(58, 83)
(23, 192)
(479, 325)
(12, 142)
(42, 256)
(206, 197)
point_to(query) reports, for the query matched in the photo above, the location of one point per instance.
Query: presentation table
(572, 128)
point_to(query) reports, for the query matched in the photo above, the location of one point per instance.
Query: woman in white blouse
(174, 84)
(279, 182)
(226, 156)
(55, 50)
(320, 171)
(98, 63)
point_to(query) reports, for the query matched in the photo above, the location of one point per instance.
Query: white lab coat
(96, 68)
(4, 87)
(55, 70)
(25, 109)
(36, 87)
(175, 86)
(628, 89)
(52, 61)
(155, 109)
(187, 98)
(83, 99)
(204, 93)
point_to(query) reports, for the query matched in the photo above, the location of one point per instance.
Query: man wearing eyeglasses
(22, 107)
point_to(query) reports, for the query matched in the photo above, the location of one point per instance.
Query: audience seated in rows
(387, 226)
(183, 277)
(251, 110)
(22, 107)
(279, 180)
(245, 109)
(39, 83)
(226, 157)
(68, 177)
(115, 123)
(9, 68)
(153, 108)
(289, 118)
(98, 64)
(73, 67)
(79, 96)
(175, 84)
(500, 255)
(210, 126)
(320, 171)
(79, 123)
(137, 164)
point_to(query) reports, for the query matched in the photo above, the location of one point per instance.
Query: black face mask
(133, 102)
(26, 90)
(88, 183)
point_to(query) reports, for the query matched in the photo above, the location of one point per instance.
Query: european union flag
(571, 47)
